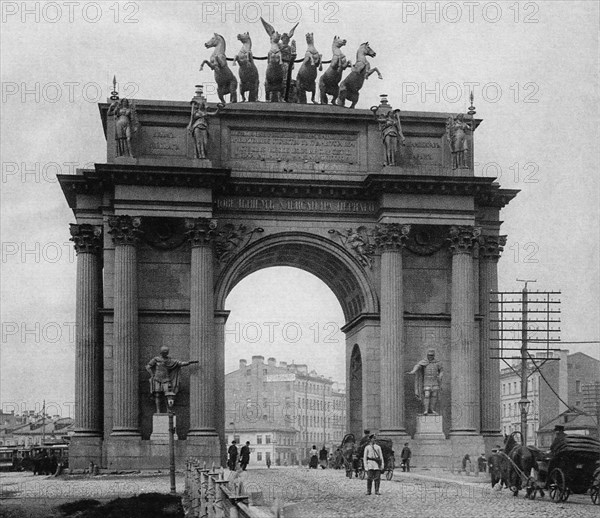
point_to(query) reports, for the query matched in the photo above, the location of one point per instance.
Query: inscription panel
(294, 146)
(422, 151)
(296, 205)
(161, 141)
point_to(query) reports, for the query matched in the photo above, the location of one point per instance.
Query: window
(248, 372)
(265, 371)
(259, 455)
(267, 439)
(578, 387)
(259, 439)
(577, 403)
(236, 438)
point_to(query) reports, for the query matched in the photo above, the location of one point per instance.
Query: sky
(532, 67)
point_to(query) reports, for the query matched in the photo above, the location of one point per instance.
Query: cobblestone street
(329, 494)
(303, 493)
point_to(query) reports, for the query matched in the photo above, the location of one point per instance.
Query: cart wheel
(389, 474)
(361, 474)
(558, 486)
(595, 494)
(566, 495)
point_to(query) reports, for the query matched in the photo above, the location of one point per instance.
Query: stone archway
(314, 254)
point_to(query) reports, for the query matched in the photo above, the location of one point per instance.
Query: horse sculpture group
(279, 86)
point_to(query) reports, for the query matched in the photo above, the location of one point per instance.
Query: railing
(209, 495)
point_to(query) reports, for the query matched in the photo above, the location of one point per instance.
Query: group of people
(318, 458)
(232, 456)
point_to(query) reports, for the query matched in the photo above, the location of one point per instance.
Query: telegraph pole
(524, 402)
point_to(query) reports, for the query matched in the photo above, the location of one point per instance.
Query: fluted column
(390, 239)
(490, 249)
(464, 356)
(220, 321)
(125, 231)
(88, 331)
(203, 391)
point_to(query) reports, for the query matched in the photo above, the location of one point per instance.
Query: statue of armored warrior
(164, 374)
(428, 381)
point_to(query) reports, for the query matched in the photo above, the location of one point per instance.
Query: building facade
(295, 407)
(564, 379)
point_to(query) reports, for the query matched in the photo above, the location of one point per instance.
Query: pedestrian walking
(233, 455)
(245, 456)
(482, 463)
(323, 457)
(268, 461)
(314, 458)
(374, 464)
(405, 456)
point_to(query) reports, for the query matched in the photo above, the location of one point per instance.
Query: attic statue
(164, 375)
(428, 381)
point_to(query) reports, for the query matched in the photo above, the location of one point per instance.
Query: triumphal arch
(381, 205)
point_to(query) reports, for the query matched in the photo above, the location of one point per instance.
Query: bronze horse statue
(226, 81)
(249, 81)
(307, 75)
(276, 68)
(330, 79)
(361, 70)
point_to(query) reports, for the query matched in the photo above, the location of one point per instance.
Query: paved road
(304, 493)
(329, 494)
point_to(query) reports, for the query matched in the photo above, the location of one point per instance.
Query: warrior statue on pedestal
(428, 380)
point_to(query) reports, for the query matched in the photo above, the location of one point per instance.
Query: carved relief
(125, 230)
(424, 241)
(164, 233)
(86, 238)
(360, 242)
(491, 247)
(463, 238)
(200, 231)
(391, 236)
(231, 239)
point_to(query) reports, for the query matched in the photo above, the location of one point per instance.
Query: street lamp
(524, 406)
(170, 395)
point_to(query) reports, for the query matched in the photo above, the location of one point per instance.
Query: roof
(571, 421)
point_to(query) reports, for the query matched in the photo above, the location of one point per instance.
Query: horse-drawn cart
(353, 456)
(573, 467)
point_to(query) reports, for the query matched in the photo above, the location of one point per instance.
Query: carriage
(353, 456)
(573, 467)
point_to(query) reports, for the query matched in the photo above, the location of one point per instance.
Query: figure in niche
(428, 381)
(164, 375)
(456, 133)
(391, 133)
(125, 125)
(198, 126)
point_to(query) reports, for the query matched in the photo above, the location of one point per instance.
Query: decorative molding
(200, 231)
(125, 230)
(424, 241)
(361, 242)
(231, 238)
(391, 236)
(491, 247)
(87, 238)
(463, 238)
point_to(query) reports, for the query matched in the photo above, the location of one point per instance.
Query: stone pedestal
(160, 428)
(83, 450)
(430, 427)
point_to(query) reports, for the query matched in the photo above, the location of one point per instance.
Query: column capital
(491, 247)
(87, 238)
(200, 231)
(391, 236)
(463, 238)
(125, 230)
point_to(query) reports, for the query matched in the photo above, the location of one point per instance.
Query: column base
(206, 448)
(202, 432)
(126, 432)
(84, 449)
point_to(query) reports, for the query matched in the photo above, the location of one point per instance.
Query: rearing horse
(329, 82)
(361, 70)
(226, 81)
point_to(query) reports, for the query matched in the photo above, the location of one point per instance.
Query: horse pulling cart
(353, 456)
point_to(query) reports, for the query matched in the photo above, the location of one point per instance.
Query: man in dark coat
(405, 456)
(245, 456)
(233, 455)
